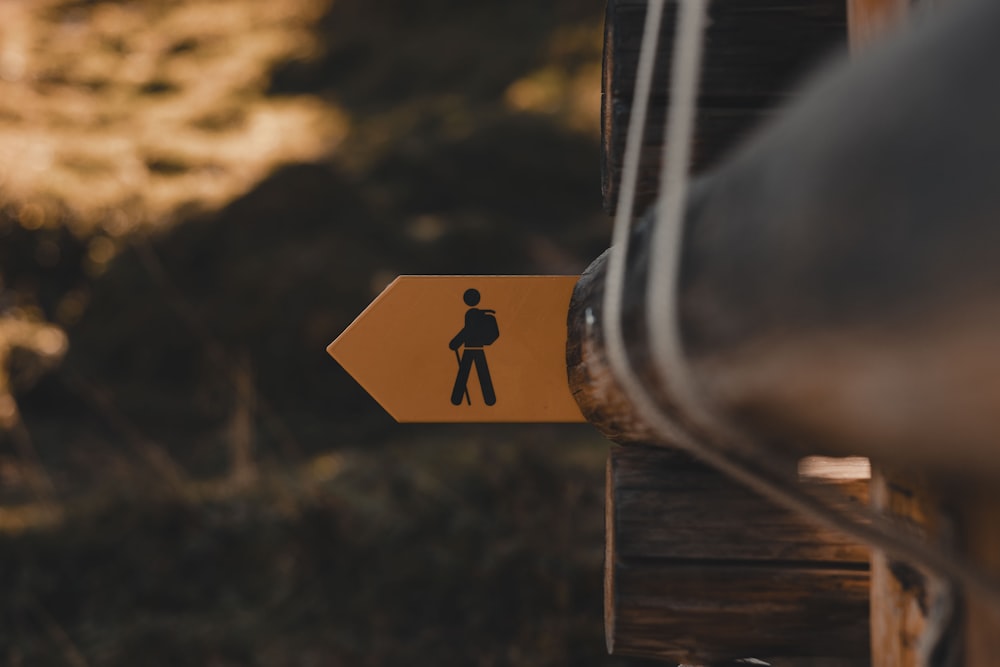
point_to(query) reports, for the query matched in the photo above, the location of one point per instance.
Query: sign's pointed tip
(333, 348)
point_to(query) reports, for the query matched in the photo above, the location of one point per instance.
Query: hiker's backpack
(481, 327)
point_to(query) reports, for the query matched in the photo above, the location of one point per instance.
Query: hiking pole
(458, 358)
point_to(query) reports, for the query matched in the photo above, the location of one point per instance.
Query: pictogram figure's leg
(462, 379)
(485, 381)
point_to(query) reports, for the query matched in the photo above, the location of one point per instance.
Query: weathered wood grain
(601, 399)
(911, 608)
(756, 53)
(699, 570)
(979, 510)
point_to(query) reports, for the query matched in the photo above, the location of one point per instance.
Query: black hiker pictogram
(480, 331)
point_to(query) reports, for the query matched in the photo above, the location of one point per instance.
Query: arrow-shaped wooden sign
(465, 349)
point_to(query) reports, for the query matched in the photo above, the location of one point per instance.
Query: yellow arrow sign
(465, 349)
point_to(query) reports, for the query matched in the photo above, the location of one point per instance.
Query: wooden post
(701, 571)
(914, 613)
(601, 399)
(837, 295)
(979, 511)
(922, 620)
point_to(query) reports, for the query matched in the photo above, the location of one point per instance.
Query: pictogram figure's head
(471, 297)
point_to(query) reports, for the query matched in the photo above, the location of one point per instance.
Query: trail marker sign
(465, 349)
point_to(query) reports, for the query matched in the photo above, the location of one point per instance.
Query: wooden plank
(719, 131)
(671, 506)
(683, 614)
(700, 570)
(754, 49)
(756, 53)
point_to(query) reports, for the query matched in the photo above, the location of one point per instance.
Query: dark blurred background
(196, 197)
